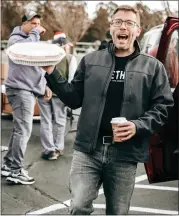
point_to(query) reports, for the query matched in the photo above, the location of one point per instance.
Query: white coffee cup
(115, 122)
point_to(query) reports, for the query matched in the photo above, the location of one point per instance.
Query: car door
(163, 148)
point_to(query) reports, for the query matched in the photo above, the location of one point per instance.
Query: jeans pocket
(11, 98)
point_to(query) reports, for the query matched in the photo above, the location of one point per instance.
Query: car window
(171, 60)
(151, 40)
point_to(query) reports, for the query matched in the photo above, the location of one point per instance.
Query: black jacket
(146, 101)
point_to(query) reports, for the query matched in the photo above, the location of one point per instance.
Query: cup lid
(118, 120)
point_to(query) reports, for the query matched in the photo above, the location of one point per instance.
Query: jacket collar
(111, 47)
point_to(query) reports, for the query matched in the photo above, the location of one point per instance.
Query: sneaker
(20, 178)
(5, 171)
(59, 152)
(49, 156)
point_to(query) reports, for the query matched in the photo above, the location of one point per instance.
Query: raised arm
(70, 93)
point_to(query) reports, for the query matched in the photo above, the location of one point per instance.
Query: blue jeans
(22, 103)
(89, 171)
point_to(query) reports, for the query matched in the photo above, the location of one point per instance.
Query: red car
(162, 43)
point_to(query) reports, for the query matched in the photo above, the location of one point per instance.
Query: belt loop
(107, 140)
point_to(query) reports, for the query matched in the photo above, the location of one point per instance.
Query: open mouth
(122, 37)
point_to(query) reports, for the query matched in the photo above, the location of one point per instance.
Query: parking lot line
(153, 187)
(140, 209)
(67, 202)
(138, 179)
(47, 209)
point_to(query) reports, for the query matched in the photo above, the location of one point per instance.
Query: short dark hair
(29, 16)
(128, 8)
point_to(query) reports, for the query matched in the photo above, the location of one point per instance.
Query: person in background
(23, 84)
(104, 43)
(55, 110)
(119, 81)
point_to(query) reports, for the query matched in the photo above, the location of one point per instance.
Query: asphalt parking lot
(50, 196)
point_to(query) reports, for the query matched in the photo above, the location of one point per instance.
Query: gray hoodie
(30, 78)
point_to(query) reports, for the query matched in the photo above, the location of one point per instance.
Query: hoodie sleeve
(33, 36)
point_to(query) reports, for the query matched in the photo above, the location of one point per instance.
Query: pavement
(49, 195)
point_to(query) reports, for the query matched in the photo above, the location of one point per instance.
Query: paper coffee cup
(115, 122)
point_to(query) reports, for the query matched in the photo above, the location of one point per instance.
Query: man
(53, 143)
(23, 84)
(116, 82)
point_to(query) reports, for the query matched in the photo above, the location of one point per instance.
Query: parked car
(151, 38)
(163, 150)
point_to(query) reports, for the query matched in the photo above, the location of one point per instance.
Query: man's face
(124, 36)
(34, 22)
(30, 24)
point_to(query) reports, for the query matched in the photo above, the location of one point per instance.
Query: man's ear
(24, 22)
(139, 31)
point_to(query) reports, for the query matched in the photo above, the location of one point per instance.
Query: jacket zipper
(104, 100)
(102, 105)
(124, 88)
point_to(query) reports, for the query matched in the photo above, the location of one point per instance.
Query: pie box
(36, 53)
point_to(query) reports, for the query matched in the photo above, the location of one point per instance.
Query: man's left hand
(125, 131)
(48, 94)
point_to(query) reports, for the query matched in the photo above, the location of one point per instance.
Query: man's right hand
(28, 27)
(41, 29)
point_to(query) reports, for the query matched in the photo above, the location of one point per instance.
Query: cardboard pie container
(36, 53)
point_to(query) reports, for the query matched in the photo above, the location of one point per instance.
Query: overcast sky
(153, 5)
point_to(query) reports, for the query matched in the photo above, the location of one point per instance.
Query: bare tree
(166, 7)
(11, 13)
(66, 16)
(97, 30)
(148, 18)
(100, 26)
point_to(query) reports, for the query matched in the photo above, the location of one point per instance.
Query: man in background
(54, 112)
(23, 84)
(104, 43)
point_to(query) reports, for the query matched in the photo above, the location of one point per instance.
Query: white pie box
(36, 53)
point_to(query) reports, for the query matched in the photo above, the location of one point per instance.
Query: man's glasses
(128, 23)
